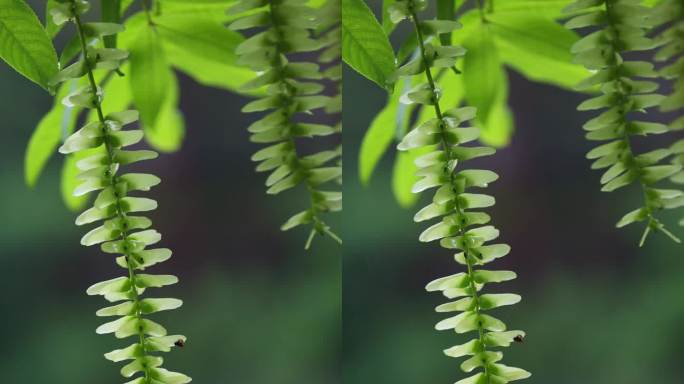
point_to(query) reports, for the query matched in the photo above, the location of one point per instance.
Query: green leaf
(227, 2)
(163, 343)
(378, 137)
(211, 73)
(111, 12)
(155, 281)
(538, 48)
(51, 28)
(46, 137)
(452, 98)
(69, 182)
(483, 276)
(163, 376)
(118, 93)
(149, 75)
(498, 128)
(200, 37)
(152, 305)
(387, 24)
(204, 58)
(102, 29)
(404, 175)
(550, 9)
(214, 10)
(446, 10)
(365, 46)
(168, 132)
(24, 44)
(482, 72)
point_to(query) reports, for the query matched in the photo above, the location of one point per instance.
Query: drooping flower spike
(292, 91)
(122, 231)
(462, 226)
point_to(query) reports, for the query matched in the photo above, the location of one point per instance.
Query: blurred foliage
(522, 35)
(257, 307)
(595, 308)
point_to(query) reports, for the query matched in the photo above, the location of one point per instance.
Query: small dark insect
(179, 343)
(519, 339)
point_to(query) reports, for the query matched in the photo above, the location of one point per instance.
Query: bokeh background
(257, 307)
(596, 308)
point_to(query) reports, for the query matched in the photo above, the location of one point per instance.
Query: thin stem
(113, 181)
(319, 226)
(447, 150)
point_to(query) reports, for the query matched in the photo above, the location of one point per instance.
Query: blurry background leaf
(70, 51)
(199, 37)
(538, 48)
(51, 28)
(211, 73)
(212, 10)
(24, 44)
(69, 182)
(481, 72)
(316, 3)
(111, 13)
(378, 137)
(46, 137)
(168, 132)
(365, 46)
(149, 79)
(198, 1)
(404, 176)
(205, 50)
(497, 130)
(117, 93)
(446, 10)
(206, 58)
(551, 9)
(453, 94)
(387, 24)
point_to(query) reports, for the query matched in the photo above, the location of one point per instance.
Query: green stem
(447, 150)
(113, 180)
(319, 226)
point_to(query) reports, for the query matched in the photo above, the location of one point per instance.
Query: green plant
(101, 142)
(623, 25)
(285, 29)
(163, 36)
(525, 37)
(461, 227)
(670, 13)
(522, 36)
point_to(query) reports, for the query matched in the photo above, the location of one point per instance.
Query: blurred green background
(257, 307)
(596, 308)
